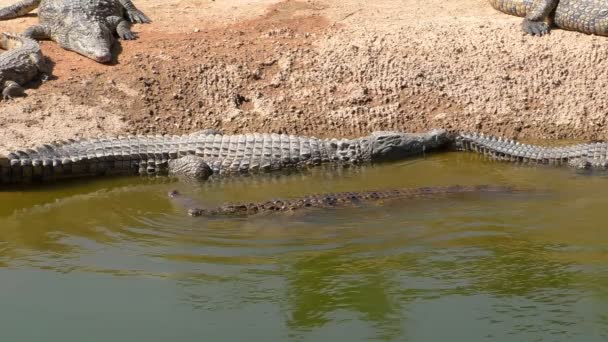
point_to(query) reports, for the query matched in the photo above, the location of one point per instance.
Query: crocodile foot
(535, 28)
(137, 16)
(127, 35)
(12, 89)
(190, 166)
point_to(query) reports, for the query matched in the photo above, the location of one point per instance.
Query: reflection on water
(97, 260)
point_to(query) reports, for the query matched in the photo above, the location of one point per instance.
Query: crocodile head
(90, 39)
(387, 145)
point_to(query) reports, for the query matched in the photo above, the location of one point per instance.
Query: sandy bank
(320, 68)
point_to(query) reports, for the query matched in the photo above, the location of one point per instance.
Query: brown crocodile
(22, 62)
(84, 26)
(587, 16)
(329, 200)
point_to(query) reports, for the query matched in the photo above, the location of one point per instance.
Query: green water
(115, 260)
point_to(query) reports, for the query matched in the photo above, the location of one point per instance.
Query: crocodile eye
(603, 13)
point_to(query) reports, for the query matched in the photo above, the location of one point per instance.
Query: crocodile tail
(19, 9)
(510, 150)
(513, 7)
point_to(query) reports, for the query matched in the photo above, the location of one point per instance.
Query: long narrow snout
(102, 57)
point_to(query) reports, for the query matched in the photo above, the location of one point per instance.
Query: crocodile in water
(329, 200)
(22, 62)
(587, 16)
(202, 154)
(579, 156)
(84, 26)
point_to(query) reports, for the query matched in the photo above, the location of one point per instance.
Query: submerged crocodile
(587, 16)
(84, 26)
(22, 62)
(202, 154)
(328, 200)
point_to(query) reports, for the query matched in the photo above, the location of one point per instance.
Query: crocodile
(21, 63)
(587, 16)
(84, 26)
(579, 156)
(204, 154)
(328, 200)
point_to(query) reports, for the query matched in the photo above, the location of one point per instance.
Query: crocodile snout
(103, 57)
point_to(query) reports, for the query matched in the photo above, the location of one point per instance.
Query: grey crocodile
(204, 154)
(208, 154)
(22, 62)
(587, 16)
(84, 26)
(579, 156)
(329, 200)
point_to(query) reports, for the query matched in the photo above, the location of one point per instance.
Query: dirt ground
(319, 67)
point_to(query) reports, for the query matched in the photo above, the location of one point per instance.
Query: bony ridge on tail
(201, 154)
(579, 156)
(587, 16)
(84, 26)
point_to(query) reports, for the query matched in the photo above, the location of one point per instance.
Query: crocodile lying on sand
(21, 63)
(587, 16)
(84, 26)
(202, 154)
(329, 200)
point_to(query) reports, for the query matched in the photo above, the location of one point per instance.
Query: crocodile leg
(121, 26)
(38, 32)
(190, 166)
(42, 65)
(135, 15)
(535, 22)
(18, 9)
(11, 89)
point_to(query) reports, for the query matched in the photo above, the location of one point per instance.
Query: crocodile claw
(12, 90)
(137, 16)
(128, 35)
(535, 28)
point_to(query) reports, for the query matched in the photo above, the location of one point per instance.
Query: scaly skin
(580, 156)
(84, 26)
(330, 200)
(207, 154)
(21, 63)
(203, 154)
(587, 16)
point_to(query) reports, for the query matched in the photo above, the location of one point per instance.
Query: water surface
(114, 259)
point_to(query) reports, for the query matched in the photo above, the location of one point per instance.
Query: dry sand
(322, 68)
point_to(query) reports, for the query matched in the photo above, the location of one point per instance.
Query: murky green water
(115, 260)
